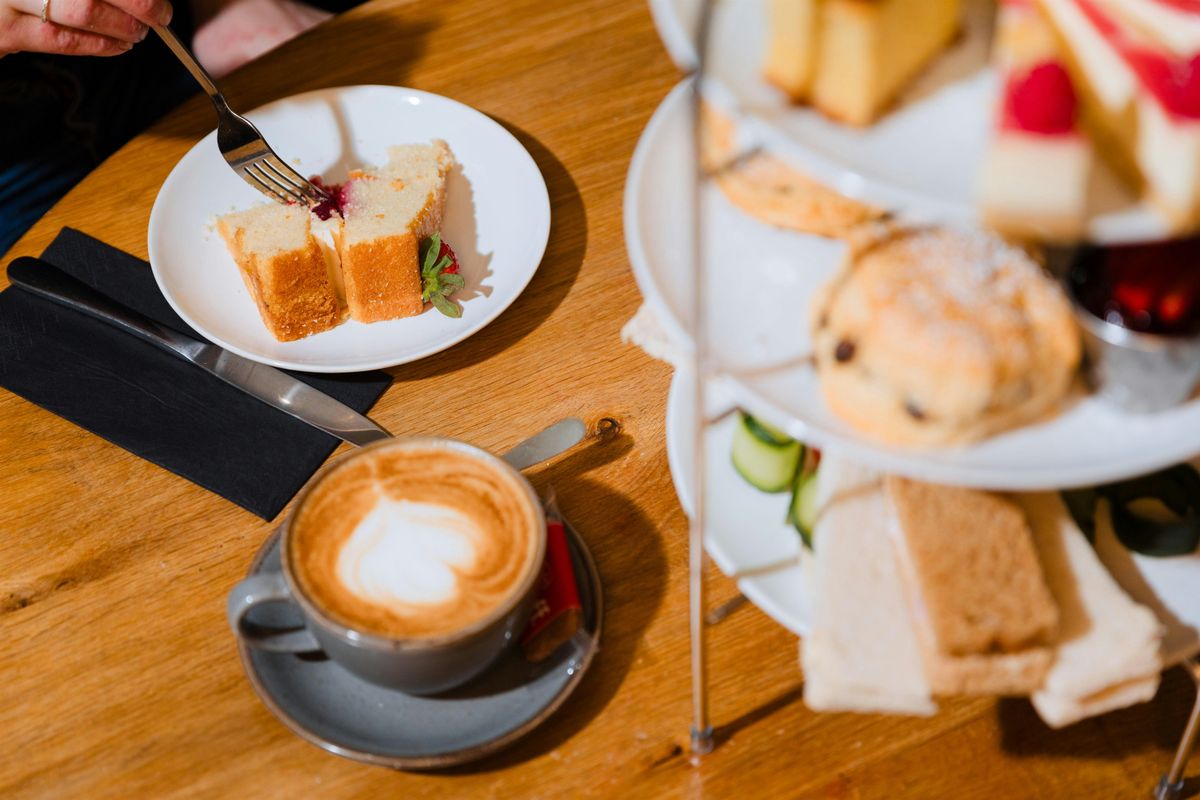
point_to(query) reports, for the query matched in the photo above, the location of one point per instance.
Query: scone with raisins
(930, 336)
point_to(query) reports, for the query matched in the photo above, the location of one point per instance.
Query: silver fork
(242, 145)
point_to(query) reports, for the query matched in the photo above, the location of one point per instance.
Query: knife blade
(272, 386)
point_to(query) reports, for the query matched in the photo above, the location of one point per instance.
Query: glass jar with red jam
(1139, 306)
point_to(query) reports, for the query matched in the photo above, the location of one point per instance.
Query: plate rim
(676, 38)
(455, 757)
(751, 586)
(541, 238)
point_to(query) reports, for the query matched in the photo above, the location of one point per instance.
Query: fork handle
(193, 66)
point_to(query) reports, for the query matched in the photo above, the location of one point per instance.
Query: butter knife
(272, 386)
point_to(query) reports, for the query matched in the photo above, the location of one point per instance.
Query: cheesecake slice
(1035, 175)
(1140, 90)
(851, 58)
(1175, 23)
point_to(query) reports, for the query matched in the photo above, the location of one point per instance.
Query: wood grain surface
(118, 675)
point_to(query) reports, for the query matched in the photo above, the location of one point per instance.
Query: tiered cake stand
(732, 295)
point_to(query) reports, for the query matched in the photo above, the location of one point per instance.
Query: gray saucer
(323, 703)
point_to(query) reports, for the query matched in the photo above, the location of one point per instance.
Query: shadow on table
(284, 71)
(1191, 788)
(725, 732)
(553, 280)
(1156, 725)
(630, 557)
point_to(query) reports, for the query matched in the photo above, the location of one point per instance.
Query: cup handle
(266, 587)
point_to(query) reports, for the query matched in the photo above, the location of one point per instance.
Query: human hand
(78, 27)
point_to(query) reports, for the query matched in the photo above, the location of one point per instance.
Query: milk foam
(404, 553)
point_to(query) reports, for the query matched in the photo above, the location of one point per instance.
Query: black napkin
(151, 403)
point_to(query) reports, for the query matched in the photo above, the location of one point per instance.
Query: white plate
(676, 23)
(747, 532)
(922, 158)
(763, 278)
(497, 220)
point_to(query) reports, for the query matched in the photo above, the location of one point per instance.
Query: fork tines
(280, 182)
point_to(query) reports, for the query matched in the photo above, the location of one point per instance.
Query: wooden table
(118, 675)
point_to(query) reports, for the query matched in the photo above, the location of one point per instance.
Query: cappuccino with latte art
(416, 540)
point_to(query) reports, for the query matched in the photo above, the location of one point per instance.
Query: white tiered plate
(497, 219)
(746, 532)
(676, 20)
(922, 158)
(761, 279)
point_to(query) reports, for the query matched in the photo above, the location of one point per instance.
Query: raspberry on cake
(851, 58)
(285, 269)
(1035, 175)
(1137, 65)
(387, 214)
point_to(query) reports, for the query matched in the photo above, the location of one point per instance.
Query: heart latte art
(403, 541)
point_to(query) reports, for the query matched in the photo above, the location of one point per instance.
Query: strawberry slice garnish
(446, 252)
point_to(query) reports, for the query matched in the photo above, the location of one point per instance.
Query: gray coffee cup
(416, 665)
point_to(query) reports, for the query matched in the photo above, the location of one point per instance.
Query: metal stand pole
(1171, 785)
(702, 729)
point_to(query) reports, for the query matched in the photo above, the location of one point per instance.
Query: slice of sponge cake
(985, 615)
(285, 269)
(388, 212)
(851, 58)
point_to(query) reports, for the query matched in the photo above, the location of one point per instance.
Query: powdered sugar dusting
(967, 292)
(971, 269)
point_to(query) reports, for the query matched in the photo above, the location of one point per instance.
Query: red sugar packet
(557, 611)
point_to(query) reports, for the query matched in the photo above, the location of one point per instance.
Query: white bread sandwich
(387, 214)
(985, 619)
(1108, 654)
(285, 269)
(862, 653)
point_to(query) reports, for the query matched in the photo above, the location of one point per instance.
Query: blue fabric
(60, 116)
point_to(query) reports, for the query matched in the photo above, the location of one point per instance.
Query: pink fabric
(243, 30)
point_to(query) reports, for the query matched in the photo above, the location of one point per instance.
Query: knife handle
(50, 282)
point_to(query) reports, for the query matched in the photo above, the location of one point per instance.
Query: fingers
(89, 16)
(151, 12)
(25, 32)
